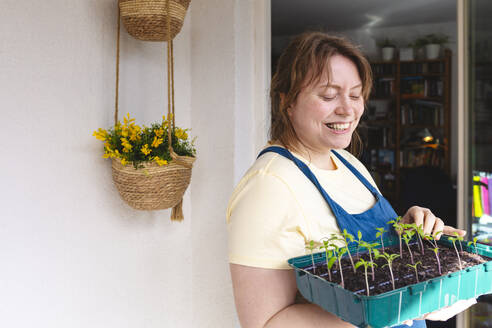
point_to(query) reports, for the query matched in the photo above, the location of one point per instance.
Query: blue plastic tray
(394, 307)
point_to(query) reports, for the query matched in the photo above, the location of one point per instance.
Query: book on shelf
(387, 158)
(383, 69)
(422, 112)
(383, 87)
(420, 87)
(421, 157)
(422, 68)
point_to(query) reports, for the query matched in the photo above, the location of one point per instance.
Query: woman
(318, 95)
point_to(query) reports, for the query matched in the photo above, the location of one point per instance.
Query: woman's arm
(265, 299)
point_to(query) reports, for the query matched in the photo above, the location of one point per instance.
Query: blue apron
(366, 222)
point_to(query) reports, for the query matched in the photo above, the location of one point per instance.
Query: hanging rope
(117, 69)
(170, 81)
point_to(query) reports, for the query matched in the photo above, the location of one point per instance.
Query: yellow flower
(160, 161)
(100, 134)
(159, 132)
(181, 134)
(127, 147)
(134, 133)
(156, 142)
(124, 132)
(127, 120)
(145, 149)
(106, 155)
(123, 162)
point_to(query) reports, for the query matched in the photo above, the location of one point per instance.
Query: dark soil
(403, 274)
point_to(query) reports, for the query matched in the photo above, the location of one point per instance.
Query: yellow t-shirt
(275, 210)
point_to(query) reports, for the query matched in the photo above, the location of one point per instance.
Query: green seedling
(453, 240)
(311, 247)
(474, 242)
(348, 239)
(459, 239)
(435, 248)
(420, 234)
(339, 251)
(436, 252)
(330, 258)
(389, 258)
(359, 241)
(366, 264)
(414, 266)
(407, 236)
(399, 229)
(370, 248)
(380, 233)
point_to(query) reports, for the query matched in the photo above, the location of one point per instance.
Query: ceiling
(294, 16)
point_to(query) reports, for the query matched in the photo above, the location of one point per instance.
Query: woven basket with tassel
(147, 19)
(155, 187)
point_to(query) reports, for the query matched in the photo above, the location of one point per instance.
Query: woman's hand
(445, 313)
(430, 223)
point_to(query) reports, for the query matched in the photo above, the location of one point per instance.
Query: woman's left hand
(430, 223)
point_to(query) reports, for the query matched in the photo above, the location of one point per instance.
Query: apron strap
(362, 179)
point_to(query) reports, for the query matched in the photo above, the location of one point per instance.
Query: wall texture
(72, 253)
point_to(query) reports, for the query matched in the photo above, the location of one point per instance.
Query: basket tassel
(177, 212)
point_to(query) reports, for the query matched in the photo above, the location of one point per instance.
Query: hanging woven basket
(153, 187)
(146, 19)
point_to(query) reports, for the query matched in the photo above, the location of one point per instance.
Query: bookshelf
(409, 103)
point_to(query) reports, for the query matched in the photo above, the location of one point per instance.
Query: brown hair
(304, 62)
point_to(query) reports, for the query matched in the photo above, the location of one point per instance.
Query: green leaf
(331, 262)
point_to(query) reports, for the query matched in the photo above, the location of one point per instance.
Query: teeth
(336, 126)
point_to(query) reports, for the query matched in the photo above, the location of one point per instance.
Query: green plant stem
(341, 273)
(350, 257)
(372, 266)
(410, 251)
(392, 277)
(421, 244)
(457, 253)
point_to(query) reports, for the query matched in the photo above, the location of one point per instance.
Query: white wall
(72, 253)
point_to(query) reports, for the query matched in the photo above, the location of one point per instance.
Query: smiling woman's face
(325, 114)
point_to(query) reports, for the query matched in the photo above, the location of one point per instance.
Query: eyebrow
(339, 87)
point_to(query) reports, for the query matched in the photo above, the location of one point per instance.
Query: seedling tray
(393, 307)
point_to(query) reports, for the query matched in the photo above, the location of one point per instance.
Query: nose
(344, 107)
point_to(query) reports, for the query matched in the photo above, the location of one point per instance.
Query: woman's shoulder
(271, 163)
(271, 175)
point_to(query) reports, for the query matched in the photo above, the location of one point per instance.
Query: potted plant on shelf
(407, 53)
(432, 44)
(387, 49)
